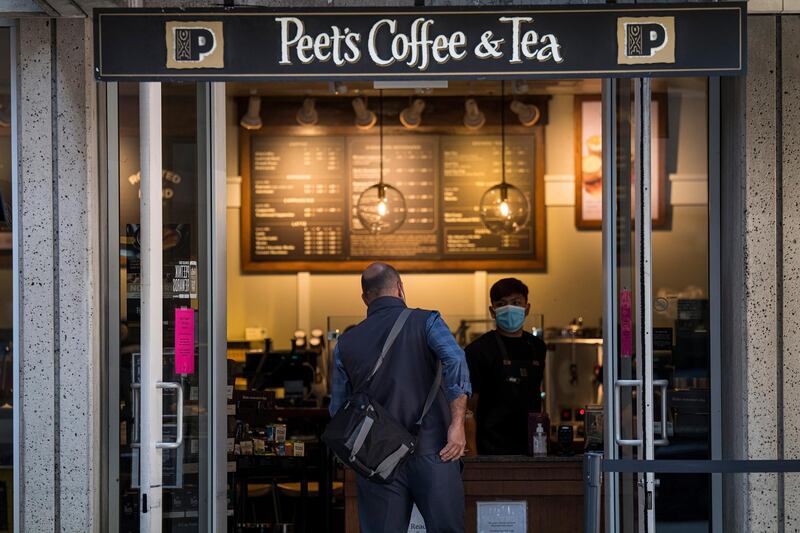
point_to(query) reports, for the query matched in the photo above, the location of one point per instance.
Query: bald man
(431, 478)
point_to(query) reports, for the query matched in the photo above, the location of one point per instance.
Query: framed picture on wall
(589, 161)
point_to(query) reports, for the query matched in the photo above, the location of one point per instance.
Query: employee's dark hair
(506, 287)
(377, 278)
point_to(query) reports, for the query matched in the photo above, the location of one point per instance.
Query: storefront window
(6, 289)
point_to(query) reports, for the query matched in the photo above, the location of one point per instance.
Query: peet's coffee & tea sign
(490, 42)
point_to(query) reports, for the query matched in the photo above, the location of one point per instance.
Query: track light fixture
(365, 118)
(252, 119)
(527, 114)
(411, 117)
(307, 114)
(473, 117)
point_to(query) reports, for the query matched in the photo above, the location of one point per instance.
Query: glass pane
(626, 295)
(6, 289)
(184, 202)
(681, 297)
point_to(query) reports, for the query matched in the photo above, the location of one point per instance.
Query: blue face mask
(510, 318)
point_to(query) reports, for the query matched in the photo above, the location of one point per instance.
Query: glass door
(658, 359)
(169, 349)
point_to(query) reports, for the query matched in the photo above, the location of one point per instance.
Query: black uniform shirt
(508, 387)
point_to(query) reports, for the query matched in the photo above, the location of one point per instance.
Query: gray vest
(403, 381)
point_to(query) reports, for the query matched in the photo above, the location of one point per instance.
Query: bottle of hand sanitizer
(539, 442)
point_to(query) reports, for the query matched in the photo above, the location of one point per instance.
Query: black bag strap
(393, 333)
(437, 383)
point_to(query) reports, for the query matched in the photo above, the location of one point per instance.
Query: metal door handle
(618, 384)
(135, 387)
(179, 418)
(664, 440)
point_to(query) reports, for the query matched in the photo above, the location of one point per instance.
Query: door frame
(213, 171)
(610, 291)
(213, 137)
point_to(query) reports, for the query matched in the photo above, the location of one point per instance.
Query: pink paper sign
(184, 341)
(625, 324)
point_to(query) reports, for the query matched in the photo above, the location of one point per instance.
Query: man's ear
(527, 308)
(491, 312)
(364, 299)
(401, 292)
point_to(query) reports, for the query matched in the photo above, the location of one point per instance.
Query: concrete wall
(57, 223)
(761, 221)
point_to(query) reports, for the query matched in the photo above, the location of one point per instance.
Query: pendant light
(381, 208)
(504, 208)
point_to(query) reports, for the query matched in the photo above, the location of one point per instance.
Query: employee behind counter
(506, 366)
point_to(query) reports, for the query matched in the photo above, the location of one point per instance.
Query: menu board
(297, 191)
(410, 164)
(300, 204)
(470, 166)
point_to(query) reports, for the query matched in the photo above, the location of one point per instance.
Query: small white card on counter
(417, 523)
(503, 517)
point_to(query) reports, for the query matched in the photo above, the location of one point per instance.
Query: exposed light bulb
(382, 207)
(504, 209)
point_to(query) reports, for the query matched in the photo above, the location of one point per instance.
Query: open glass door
(631, 431)
(657, 303)
(625, 501)
(184, 378)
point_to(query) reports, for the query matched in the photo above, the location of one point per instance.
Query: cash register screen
(293, 371)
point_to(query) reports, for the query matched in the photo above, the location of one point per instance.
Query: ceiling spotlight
(473, 117)
(365, 118)
(307, 114)
(528, 115)
(411, 117)
(252, 119)
(520, 87)
(338, 88)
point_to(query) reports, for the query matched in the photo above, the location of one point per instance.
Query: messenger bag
(365, 436)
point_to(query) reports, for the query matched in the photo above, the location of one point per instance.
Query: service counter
(552, 486)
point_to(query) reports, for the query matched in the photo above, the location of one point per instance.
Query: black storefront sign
(426, 44)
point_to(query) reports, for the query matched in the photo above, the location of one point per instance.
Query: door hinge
(144, 502)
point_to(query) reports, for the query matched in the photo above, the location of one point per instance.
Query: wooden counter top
(523, 459)
(552, 486)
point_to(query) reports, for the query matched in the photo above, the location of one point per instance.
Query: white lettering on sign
(419, 48)
(340, 45)
(528, 44)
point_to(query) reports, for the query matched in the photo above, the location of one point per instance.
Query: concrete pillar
(760, 271)
(761, 351)
(37, 398)
(59, 407)
(790, 166)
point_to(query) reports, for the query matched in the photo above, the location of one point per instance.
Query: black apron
(516, 392)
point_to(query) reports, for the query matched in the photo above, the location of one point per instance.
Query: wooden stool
(293, 489)
(260, 490)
